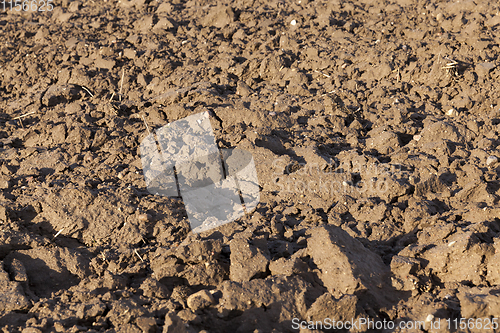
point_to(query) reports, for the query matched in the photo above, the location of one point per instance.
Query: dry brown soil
(374, 126)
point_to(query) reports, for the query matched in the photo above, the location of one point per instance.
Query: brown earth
(374, 127)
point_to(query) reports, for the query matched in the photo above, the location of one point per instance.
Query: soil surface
(373, 125)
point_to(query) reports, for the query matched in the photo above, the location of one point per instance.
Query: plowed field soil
(373, 125)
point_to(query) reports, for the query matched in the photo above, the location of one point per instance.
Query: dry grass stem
(328, 93)
(121, 84)
(135, 250)
(24, 115)
(88, 91)
(145, 123)
(452, 64)
(58, 233)
(325, 75)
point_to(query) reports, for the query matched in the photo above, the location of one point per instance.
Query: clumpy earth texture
(374, 130)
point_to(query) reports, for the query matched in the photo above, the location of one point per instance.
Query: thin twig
(24, 115)
(398, 74)
(452, 64)
(58, 233)
(135, 250)
(112, 95)
(121, 83)
(145, 123)
(85, 88)
(322, 73)
(328, 93)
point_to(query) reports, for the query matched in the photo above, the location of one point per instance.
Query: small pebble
(452, 112)
(417, 137)
(144, 217)
(293, 22)
(491, 160)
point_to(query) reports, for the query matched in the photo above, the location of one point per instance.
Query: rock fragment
(243, 89)
(200, 300)
(60, 94)
(493, 266)
(404, 270)
(3, 214)
(50, 269)
(326, 306)
(219, 17)
(384, 142)
(491, 161)
(431, 185)
(479, 302)
(174, 324)
(152, 288)
(12, 296)
(475, 192)
(4, 183)
(346, 266)
(247, 261)
(458, 259)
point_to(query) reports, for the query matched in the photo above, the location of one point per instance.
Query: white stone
(491, 160)
(452, 112)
